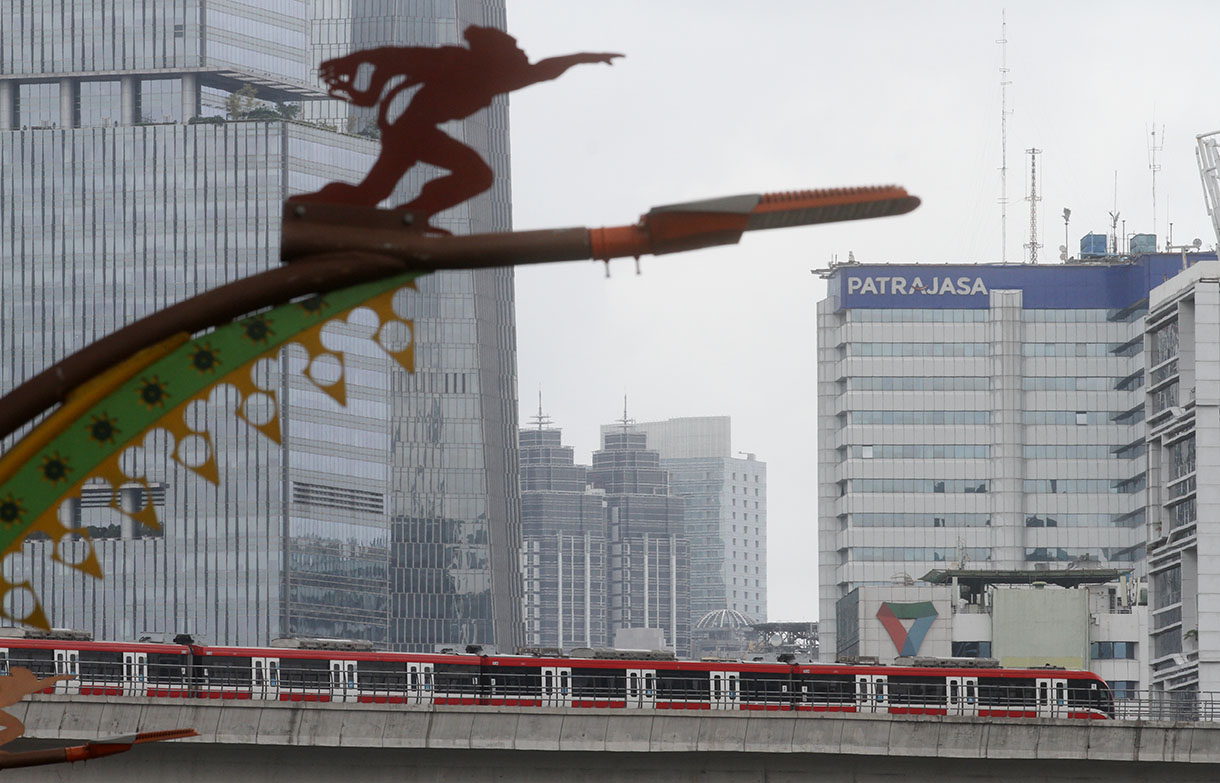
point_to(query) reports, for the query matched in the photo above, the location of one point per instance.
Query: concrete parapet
(627, 731)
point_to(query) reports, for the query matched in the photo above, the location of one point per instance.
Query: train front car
(955, 690)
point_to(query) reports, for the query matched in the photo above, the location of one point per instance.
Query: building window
(38, 105)
(1105, 651)
(971, 649)
(1124, 689)
(1082, 418)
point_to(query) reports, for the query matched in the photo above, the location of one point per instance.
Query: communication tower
(1004, 112)
(1033, 198)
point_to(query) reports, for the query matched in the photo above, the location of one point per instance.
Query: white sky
(716, 98)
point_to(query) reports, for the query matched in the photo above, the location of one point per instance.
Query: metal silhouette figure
(454, 82)
(19, 683)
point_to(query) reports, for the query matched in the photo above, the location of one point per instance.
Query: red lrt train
(585, 679)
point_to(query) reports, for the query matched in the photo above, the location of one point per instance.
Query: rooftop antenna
(625, 421)
(541, 419)
(1153, 148)
(1033, 198)
(1114, 219)
(1004, 112)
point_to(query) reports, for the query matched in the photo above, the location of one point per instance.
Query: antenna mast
(1033, 198)
(1154, 167)
(541, 419)
(625, 421)
(1004, 82)
(1114, 220)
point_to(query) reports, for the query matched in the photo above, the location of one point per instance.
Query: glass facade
(395, 518)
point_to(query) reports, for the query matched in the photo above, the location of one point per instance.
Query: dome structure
(723, 619)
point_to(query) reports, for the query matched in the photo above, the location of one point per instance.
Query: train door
(1051, 697)
(726, 690)
(265, 678)
(135, 674)
(556, 686)
(963, 695)
(344, 685)
(872, 693)
(419, 683)
(641, 688)
(67, 662)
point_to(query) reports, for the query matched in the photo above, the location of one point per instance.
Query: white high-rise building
(1182, 349)
(982, 417)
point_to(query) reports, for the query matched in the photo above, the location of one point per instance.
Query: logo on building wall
(962, 286)
(907, 640)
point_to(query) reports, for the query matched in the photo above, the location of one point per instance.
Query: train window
(273, 673)
(1060, 694)
(634, 681)
(258, 673)
(563, 683)
(953, 693)
(1043, 693)
(3, 662)
(413, 677)
(648, 684)
(548, 682)
(716, 686)
(971, 697)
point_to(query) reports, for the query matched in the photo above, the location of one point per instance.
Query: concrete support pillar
(128, 100)
(67, 102)
(8, 103)
(190, 96)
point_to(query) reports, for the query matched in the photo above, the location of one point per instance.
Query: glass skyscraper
(649, 573)
(564, 556)
(726, 511)
(394, 518)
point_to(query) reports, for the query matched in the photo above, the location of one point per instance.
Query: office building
(726, 514)
(1182, 359)
(564, 526)
(983, 417)
(393, 519)
(649, 566)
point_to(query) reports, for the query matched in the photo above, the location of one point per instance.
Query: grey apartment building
(985, 417)
(395, 518)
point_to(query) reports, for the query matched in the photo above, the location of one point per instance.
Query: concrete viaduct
(282, 742)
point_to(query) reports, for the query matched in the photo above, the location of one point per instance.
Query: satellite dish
(1197, 242)
(1063, 248)
(776, 639)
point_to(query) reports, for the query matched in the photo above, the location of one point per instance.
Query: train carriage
(334, 670)
(100, 668)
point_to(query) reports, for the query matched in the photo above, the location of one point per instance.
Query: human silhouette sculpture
(454, 82)
(19, 683)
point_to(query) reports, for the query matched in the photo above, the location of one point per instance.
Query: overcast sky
(716, 98)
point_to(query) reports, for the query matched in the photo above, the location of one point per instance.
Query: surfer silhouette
(454, 82)
(20, 683)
